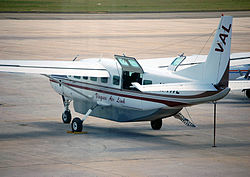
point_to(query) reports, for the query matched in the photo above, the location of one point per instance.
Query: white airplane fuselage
(129, 104)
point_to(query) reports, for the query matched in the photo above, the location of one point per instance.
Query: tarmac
(35, 142)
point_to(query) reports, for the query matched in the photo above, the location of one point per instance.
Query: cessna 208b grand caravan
(126, 90)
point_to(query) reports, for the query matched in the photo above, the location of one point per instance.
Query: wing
(240, 56)
(242, 59)
(233, 85)
(239, 85)
(75, 68)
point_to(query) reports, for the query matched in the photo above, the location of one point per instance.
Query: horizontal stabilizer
(174, 87)
(75, 68)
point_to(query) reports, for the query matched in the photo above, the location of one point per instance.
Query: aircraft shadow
(166, 139)
(160, 141)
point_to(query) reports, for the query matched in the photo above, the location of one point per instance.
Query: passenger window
(147, 82)
(93, 78)
(77, 77)
(85, 77)
(116, 80)
(104, 79)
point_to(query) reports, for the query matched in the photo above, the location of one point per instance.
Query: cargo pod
(131, 71)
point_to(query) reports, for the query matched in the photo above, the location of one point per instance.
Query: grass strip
(119, 6)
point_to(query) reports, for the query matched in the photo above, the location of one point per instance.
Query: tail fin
(217, 63)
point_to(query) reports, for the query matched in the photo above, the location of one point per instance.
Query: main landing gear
(156, 124)
(76, 124)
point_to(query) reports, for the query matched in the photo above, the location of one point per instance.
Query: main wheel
(248, 93)
(156, 124)
(76, 125)
(66, 117)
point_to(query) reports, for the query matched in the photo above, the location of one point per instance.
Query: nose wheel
(66, 117)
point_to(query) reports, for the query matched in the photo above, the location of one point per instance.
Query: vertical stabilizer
(216, 69)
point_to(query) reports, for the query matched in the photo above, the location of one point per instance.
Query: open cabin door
(131, 71)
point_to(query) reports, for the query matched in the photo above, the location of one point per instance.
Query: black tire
(76, 125)
(248, 93)
(66, 117)
(156, 124)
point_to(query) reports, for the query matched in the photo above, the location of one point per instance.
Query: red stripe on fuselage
(238, 70)
(204, 94)
(168, 103)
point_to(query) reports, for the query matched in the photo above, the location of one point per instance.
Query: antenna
(181, 55)
(101, 56)
(75, 57)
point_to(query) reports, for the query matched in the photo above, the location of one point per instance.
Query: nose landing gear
(66, 115)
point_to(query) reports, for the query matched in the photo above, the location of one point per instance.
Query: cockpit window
(123, 62)
(133, 63)
(131, 71)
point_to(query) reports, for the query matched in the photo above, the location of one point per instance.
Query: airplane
(124, 89)
(240, 70)
(239, 66)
